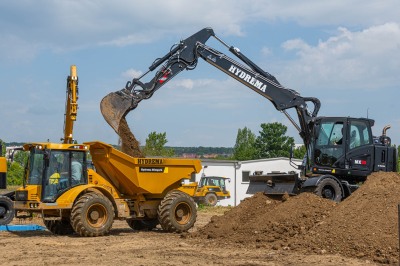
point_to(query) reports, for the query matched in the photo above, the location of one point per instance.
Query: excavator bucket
(115, 106)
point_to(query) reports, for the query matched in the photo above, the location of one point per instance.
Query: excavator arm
(184, 56)
(71, 105)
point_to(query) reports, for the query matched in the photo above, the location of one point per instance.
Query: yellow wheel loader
(211, 189)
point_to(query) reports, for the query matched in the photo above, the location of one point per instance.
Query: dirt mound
(262, 220)
(363, 226)
(129, 144)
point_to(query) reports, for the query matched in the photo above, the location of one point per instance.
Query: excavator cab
(345, 146)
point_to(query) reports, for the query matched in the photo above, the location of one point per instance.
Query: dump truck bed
(132, 176)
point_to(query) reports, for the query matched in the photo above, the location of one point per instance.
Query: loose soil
(125, 246)
(301, 230)
(363, 226)
(129, 144)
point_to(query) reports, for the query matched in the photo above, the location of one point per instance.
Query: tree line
(271, 142)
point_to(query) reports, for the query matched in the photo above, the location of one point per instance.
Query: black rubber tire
(177, 212)
(143, 224)
(92, 215)
(328, 188)
(7, 211)
(210, 199)
(59, 227)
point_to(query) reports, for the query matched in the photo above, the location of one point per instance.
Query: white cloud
(69, 25)
(131, 73)
(361, 59)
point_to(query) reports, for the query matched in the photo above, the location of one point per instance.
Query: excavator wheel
(177, 212)
(59, 227)
(92, 215)
(329, 189)
(210, 199)
(7, 211)
(143, 224)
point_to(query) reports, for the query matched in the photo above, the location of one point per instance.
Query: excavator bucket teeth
(114, 107)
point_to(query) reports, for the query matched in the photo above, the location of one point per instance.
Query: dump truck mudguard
(73, 194)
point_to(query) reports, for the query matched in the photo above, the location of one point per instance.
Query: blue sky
(346, 53)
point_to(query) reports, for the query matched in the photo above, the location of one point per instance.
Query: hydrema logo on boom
(249, 79)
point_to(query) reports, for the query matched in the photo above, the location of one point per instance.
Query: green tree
(245, 145)
(272, 141)
(299, 152)
(15, 169)
(398, 157)
(155, 145)
(3, 150)
(15, 173)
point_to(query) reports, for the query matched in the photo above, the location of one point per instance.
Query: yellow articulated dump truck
(83, 188)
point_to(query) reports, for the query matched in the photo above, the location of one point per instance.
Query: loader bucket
(115, 106)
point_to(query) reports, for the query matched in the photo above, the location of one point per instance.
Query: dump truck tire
(59, 227)
(7, 211)
(92, 215)
(177, 212)
(329, 189)
(210, 199)
(143, 224)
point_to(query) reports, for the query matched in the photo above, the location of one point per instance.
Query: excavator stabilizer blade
(114, 107)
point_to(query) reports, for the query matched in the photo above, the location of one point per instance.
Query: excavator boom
(184, 56)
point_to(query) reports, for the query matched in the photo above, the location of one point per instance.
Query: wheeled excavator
(341, 151)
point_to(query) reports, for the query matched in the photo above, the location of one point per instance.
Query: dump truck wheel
(7, 211)
(177, 212)
(210, 199)
(92, 215)
(143, 224)
(329, 189)
(59, 227)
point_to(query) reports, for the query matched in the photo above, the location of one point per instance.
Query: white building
(239, 171)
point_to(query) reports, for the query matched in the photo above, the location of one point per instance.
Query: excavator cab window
(329, 146)
(359, 134)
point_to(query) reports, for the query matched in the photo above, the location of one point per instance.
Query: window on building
(245, 176)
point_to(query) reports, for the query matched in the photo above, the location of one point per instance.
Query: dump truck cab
(51, 170)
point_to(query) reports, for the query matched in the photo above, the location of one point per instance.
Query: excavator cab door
(359, 147)
(343, 146)
(329, 148)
